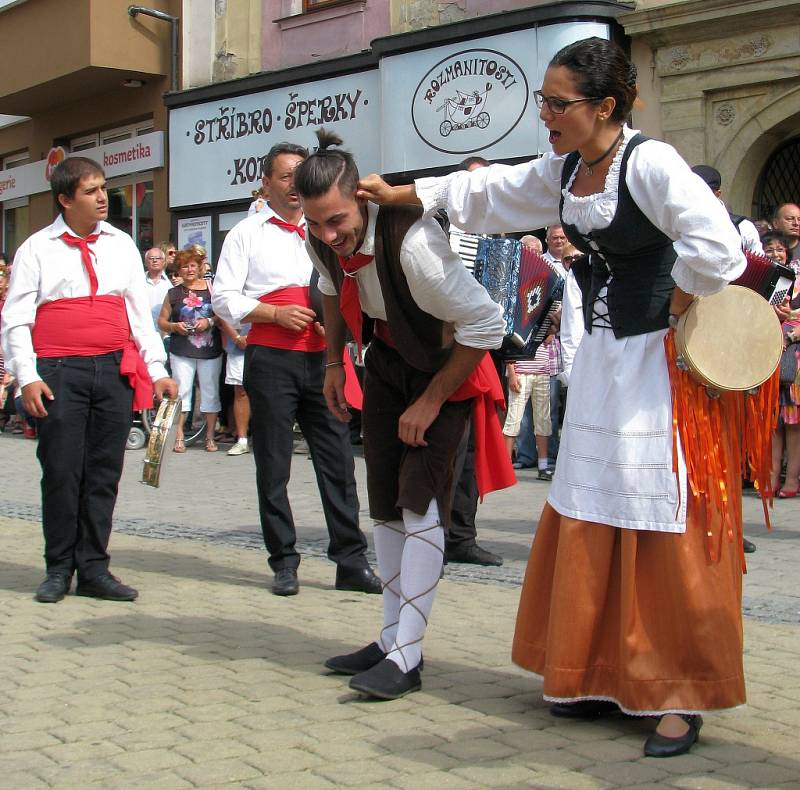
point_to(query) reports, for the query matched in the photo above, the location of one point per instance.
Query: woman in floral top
(195, 343)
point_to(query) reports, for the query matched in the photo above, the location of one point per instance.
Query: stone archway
(744, 158)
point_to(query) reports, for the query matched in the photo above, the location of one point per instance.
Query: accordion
(773, 281)
(527, 288)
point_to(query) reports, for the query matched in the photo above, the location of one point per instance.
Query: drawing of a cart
(465, 111)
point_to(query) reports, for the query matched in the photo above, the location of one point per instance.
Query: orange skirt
(641, 618)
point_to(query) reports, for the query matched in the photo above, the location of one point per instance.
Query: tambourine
(162, 437)
(731, 340)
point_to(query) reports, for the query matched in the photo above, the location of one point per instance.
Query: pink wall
(342, 30)
(350, 28)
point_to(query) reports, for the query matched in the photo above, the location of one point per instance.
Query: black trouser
(284, 386)
(81, 451)
(462, 530)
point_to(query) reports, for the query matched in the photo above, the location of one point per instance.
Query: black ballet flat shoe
(360, 661)
(662, 746)
(386, 681)
(584, 709)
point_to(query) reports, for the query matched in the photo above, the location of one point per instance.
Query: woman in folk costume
(632, 597)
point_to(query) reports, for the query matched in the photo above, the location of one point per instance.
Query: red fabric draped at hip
(88, 326)
(493, 470)
(275, 336)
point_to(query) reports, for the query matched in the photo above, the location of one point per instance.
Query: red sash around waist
(493, 470)
(88, 326)
(275, 336)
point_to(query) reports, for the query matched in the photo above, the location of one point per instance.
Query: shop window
(16, 225)
(130, 208)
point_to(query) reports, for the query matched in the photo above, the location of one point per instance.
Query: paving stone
(355, 772)
(275, 761)
(760, 774)
(218, 772)
(294, 780)
(629, 772)
(148, 760)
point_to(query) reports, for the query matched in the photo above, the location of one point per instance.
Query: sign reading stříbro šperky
(217, 149)
(427, 108)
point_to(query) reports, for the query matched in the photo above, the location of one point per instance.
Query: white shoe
(240, 448)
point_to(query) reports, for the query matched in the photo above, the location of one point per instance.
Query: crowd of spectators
(203, 346)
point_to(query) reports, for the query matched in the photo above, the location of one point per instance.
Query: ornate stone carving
(756, 47)
(678, 57)
(725, 114)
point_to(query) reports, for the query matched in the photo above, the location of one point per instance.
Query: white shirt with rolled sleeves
(46, 269)
(619, 387)
(257, 258)
(156, 292)
(438, 280)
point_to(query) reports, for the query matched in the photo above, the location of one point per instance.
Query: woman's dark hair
(68, 174)
(325, 168)
(773, 236)
(601, 69)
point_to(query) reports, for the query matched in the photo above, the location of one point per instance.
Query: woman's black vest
(638, 255)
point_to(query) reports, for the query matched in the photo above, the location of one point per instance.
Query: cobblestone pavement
(209, 680)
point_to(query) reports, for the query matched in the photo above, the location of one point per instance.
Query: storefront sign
(458, 100)
(217, 150)
(145, 152)
(194, 230)
(456, 106)
(24, 180)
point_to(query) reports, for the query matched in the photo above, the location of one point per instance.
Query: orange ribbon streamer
(722, 438)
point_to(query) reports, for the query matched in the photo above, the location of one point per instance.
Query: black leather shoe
(544, 474)
(358, 580)
(661, 746)
(107, 587)
(749, 546)
(286, 582)
(584, 709)
(360, 661)
(472, 554)
(386, 681)
(54, 587)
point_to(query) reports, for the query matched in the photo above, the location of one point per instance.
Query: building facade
(721, 82)
(84, 77)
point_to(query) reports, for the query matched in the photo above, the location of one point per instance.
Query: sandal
(211, 446)
(180, 446)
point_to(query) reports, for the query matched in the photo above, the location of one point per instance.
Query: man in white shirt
(433, 324)
(156, 280)
(75, 300)
(556, 242)
(263, 278)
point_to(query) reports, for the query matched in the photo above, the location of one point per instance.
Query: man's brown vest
(422, 340)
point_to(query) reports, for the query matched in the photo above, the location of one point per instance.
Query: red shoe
(28, 431)
(787, 494)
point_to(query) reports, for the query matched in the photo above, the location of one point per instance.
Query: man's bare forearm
(335, 328)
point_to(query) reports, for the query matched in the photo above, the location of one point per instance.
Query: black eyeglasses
(555, 105)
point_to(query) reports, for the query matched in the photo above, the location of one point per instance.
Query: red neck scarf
(289, 227)
(349, 303)
(86, 255)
